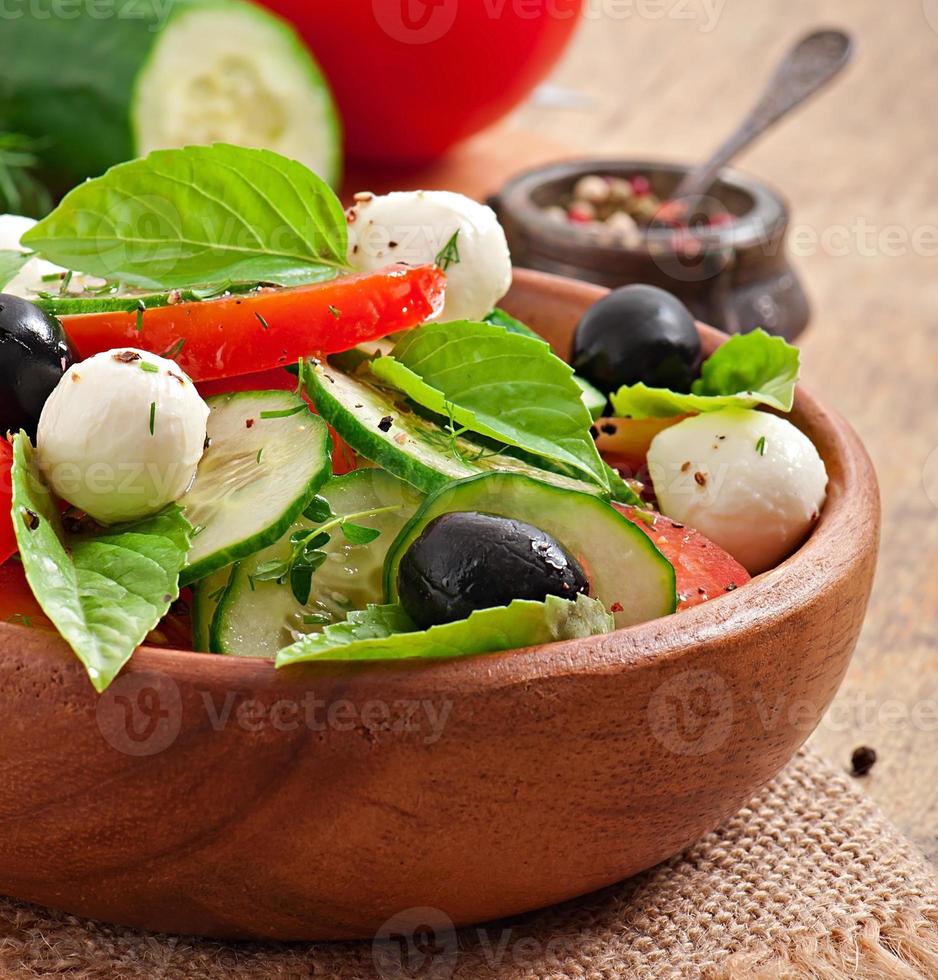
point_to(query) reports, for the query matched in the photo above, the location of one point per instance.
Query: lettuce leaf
(103, 591)
(387, 633)
(748, 370)
(502, 385)
(197, 215)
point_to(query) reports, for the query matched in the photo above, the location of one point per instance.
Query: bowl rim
(764, 223)
(826, 559)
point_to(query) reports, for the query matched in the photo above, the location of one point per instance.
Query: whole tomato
(414, 77)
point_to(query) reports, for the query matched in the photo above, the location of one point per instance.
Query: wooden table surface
(860, 168)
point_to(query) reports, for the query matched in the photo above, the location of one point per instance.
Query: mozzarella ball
(751, 482)
(121, 435)
(417, 227)
(29, 280)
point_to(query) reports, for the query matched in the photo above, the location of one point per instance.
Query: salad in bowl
(243, 421)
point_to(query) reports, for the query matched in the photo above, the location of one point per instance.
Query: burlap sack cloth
(808, 881)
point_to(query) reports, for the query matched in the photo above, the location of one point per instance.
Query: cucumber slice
(98, 90)
(130, 300)
(626, 571)
(593, 398)
(256, 619)
(206, 598)
(380, 425)
(231, 72)
(267, 457)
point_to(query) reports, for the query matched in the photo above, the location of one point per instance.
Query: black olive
(34, 354)
(637, 333)
(466, 561)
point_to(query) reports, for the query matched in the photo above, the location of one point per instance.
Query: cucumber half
(228, 71)
(380, 425)
(627, 573)
(257, 619)
(97, 89)
(267, 456)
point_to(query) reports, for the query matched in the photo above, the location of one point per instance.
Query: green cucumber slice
(627, 573)
(129, 300)
(206, 598)
(98, 88)
(256, 619)
(226, 71)
(593, 398)
(267, 456)
(380, 425)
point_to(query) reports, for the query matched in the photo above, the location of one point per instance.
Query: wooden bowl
(218, 796)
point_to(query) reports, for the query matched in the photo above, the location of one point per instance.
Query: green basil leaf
(11, 264)
(199, 215)
(104, 591)
(748, 370)
(594, 399)
(499, 318)
(356, 534)
(387, 633)
(501, 385)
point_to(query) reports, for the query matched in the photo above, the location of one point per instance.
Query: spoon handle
(808, 66)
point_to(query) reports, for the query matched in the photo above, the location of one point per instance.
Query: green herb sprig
(306, 555)
(449, 254)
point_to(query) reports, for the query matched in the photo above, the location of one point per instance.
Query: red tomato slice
(275, 380)
(703, 569)
(17, 604)
(624, 443)
(7, 535)
(244, 334)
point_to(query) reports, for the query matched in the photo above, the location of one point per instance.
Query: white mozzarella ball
(121, 435)
(415, 227)
(29, 280)
(751, 482)
(33, 278)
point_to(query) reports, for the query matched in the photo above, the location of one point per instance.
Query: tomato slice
(270, 328)
(17, 603)
(279, 379)
(624, 443)
(703, 569)
(7, 535)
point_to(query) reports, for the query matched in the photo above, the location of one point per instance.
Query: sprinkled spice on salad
(333, 445)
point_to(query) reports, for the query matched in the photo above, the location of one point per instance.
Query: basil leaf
(594, 399)
(502, 385)
(748, 370)
(356, 534)
(198, 215)
(11, 264)
(105, 591)
(387, 633)
(499, 318)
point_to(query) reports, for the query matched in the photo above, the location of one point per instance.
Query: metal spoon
(807, 67)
